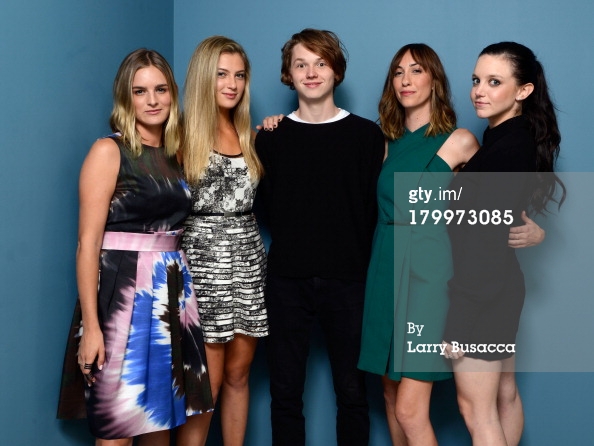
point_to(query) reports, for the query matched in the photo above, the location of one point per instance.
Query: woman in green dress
(406, 298)
(407, 281)
(411, 263)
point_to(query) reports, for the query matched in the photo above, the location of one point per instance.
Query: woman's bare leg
(160, 438)
(195, 431)
(118, 442)
(477, 385)
(412, 412)
(390, 393)
(509, 404)
(235, 394)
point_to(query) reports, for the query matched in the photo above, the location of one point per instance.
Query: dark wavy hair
(539, 110)
(391, 112)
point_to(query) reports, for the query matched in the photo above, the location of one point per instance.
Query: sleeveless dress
(407, 281)
(155, 373)
(226, 254)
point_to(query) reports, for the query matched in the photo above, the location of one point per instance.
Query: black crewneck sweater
(319, 196)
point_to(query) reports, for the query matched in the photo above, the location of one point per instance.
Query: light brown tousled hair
(391, 112)
(325, 44)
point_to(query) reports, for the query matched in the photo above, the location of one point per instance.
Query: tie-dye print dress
(155, 366)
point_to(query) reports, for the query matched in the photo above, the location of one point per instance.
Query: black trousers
(293, 306)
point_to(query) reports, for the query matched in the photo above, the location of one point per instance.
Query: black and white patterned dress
(226, 254)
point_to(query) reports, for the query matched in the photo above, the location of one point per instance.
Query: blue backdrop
(58, 60)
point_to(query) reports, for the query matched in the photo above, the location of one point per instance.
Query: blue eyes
(491, 82)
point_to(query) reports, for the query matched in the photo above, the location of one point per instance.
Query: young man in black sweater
(319, 194)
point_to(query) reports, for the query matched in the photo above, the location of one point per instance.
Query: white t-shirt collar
(340, 115)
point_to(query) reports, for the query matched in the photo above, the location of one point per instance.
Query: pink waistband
(134, 241)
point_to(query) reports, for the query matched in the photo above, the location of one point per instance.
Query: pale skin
(498, 108)
(487, 392)
(98, 178)
(407, 401)
(313, 80)
(97, 183)
(229, 363)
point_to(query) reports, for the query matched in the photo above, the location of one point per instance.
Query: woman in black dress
(509, 89)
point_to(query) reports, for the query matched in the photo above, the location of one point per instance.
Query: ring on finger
(88, 366)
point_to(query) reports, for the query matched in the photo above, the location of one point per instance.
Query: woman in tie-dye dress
(141, 351)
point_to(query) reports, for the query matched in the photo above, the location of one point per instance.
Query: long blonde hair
(200, 115)
(123, 116)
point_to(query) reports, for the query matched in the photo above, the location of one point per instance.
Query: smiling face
(495, 92)
(311, 75)
(413, 85)
(231, 80)
(151, 98)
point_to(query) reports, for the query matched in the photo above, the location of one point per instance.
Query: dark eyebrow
(498, 76)
(410, 65)
(141, 87)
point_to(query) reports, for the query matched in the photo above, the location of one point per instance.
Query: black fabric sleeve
(264, 186)
(371, 165)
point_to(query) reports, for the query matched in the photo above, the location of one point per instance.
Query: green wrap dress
(407, 280)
